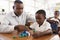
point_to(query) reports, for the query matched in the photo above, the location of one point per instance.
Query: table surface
(45, 37)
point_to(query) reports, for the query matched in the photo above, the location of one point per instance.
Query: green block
(33, 30)
(20, 36)
(14, 37)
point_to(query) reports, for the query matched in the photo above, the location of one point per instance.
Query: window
(31, 6)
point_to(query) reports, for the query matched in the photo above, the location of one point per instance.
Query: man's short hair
(18, 1)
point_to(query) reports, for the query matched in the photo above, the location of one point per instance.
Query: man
(14, 19)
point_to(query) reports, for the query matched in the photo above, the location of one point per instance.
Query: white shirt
(44, 27)
(10, 20)
(54, 19)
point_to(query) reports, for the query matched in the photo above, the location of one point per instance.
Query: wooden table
(46, 37)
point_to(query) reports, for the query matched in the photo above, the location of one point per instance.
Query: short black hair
(56, 11)
(18, 1)
(41, 12)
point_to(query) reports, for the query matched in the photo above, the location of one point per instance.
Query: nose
(37, 20)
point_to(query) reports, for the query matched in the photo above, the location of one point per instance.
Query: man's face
(40, 18)
(18, 8)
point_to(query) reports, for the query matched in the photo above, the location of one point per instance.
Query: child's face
(40, 18)
(56, 14)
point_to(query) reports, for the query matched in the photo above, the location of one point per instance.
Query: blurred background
(31, 6)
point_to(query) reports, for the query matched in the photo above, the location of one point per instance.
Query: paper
(4, 38)
(1, 39)
(56, 37)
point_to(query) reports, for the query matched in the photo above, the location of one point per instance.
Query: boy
(41, 26)
(54, 21)
(55, 18)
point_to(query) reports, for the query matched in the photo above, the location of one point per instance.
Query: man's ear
(13, 7)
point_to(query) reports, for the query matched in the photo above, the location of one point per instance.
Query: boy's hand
(37, 34)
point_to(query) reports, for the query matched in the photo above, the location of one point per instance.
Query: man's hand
(19, 28)
(31, 32)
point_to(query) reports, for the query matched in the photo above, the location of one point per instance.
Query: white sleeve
(32, 26)
(31, 18)
(5, 27)
(48, 26)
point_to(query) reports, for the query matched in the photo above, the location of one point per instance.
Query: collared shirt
(44, 27)
(54, 19)
(10, 20)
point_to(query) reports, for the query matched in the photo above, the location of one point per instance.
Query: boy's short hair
(56, 11)
(18, 1)
(41, 12)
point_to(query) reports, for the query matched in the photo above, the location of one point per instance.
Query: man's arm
(30, 19)
(5, 26)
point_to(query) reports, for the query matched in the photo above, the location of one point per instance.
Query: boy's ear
(45, 16)
(13, 7)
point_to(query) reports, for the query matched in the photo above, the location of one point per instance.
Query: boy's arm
(50, 21)
(38, 34)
